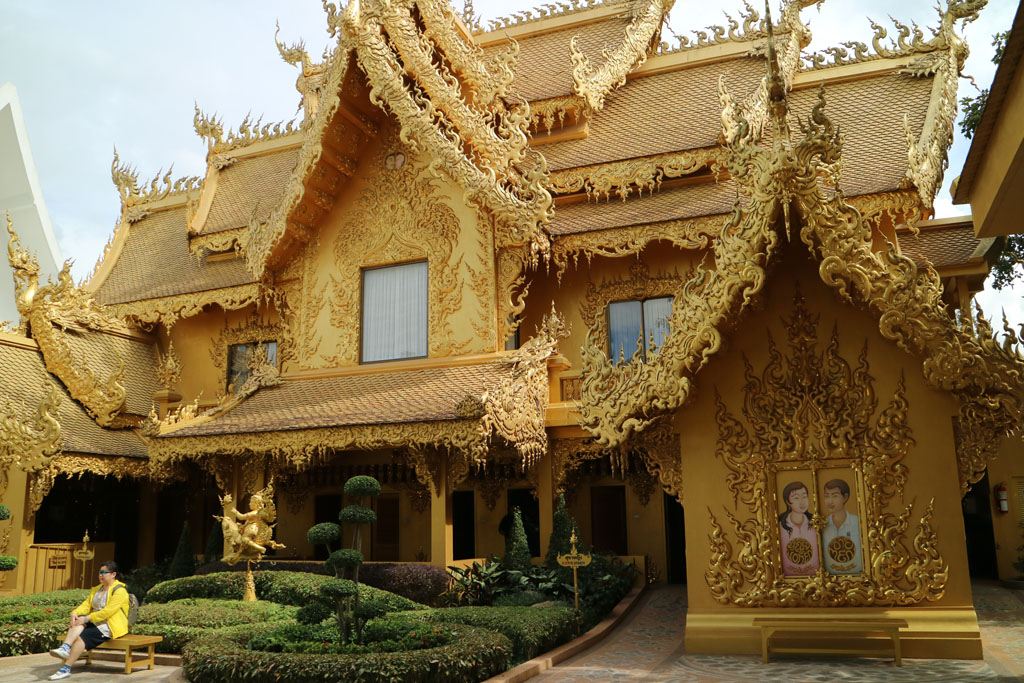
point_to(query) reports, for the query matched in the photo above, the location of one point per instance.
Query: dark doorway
(172, 508)
(463, 525)
(981, 543)
(325, 509)
(385, 531)
(529, 508)
(105, 507)
(675, 541)
(608, 519)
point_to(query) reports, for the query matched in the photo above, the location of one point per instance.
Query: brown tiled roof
(383, 398)
(22, 372)
(689, 201)
(544, 69)
(100, 352)
(942, 247)
(656, 114)
(251, 184)
(870, 114)
(155, 262)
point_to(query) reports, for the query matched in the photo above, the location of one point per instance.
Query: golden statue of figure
(249, 533)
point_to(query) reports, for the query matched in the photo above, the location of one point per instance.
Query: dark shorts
(92, 636)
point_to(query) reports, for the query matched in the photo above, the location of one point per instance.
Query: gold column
(545, 495)
(441, 550)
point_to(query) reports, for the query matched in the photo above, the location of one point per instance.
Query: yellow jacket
(115, 613)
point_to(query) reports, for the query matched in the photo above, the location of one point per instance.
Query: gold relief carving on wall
(557, 112)
(639, 284)
(688, 233)
(482, 282)
(168, 367)
(398, 217)
(218, 242)
(512, 290)
(809, 421)
(302, 301)
(623, 178)
(31, 442)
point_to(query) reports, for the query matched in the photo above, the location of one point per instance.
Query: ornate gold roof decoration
(49, 310)
(31, 442)
(643, 32)
(126, 180)
(168, 367)
(517, 409)
(311, 74)
(557, 112)
(753, 28)
(984, 374)
(545, 11)
(633, 175)
(249, 131)
(456, 107)
(169, 309)
(944, 56)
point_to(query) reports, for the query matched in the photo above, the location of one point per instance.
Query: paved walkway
(648, 646)
(35, 668)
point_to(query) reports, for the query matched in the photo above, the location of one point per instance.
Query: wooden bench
(129, 643)
(830, 626)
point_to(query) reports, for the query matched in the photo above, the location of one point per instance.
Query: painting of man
(841, 535)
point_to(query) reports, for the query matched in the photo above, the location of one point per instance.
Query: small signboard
(57, 562)
(574, 559)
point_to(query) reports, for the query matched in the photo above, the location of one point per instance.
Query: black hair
(111, 567)
(790, 488)
(838, 485)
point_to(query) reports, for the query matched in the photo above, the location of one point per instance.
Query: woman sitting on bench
(101, 617)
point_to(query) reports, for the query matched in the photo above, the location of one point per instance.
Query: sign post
(575, 560)
(84, 554)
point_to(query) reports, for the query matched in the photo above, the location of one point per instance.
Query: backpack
(132, 614)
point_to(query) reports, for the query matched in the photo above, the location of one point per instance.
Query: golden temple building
(558, 254)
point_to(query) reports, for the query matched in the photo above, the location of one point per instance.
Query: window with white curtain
(394, 312)
(626, 320)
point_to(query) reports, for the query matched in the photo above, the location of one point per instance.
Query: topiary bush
(284, 588)
(184, 620)
(472, 654)
(423, 583)
(517, 548)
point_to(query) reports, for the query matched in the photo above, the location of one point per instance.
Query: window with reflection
(242, 358)
(394, 312)
(643, 321)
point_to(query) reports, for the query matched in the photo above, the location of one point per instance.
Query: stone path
(35, 668)
(648, 646)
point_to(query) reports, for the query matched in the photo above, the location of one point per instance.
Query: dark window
(243, 357)
(463, 526)
(385, 529)
(394, 312)
(628, 320)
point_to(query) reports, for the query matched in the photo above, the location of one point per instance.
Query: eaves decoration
(643, 32)
(169, 309)
(49, 310)
(455, 107)
(134, 196)
(984, 374)
(32, 442)
(623, 178)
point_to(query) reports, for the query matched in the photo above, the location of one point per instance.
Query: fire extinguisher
(1002, 498)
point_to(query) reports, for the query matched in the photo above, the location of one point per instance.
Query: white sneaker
(62, 652)
(61, 673)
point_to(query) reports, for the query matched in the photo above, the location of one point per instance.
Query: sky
(92, 75)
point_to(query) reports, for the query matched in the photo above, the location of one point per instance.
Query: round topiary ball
(360, 486)
(313, 613)
(7, 563)
(336, 589)
(5, 512)
(370, 610)
(345, 559)
(324, 534)
(356, 514)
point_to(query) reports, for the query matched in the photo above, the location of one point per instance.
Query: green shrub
(603, 582)
(395, 635)
(357, 514)
(343, 559)
(473, 654)
(520, 599)
(284, 588)
(185, 620)
(23, 639)
(144, 578)
(423, 583)
(184, 562)
(361, 485)
(70, 598)
(325, 533)
(8, 562)
(5, 512)
(532, 630)
(517, 549)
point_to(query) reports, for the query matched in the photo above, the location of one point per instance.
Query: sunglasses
(103, 572)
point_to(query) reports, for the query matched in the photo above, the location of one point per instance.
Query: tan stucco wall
(1008, 468)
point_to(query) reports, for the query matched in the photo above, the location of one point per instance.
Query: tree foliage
(184, 562)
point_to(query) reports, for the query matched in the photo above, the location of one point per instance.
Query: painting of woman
(798, 539)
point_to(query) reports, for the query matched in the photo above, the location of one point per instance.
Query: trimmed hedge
(26, 626)
(23, 639)
(474, 654)
(285, 588)
(71, 598)
(184, 620)
(532, 630)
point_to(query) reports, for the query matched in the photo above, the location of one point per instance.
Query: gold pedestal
(250, 584)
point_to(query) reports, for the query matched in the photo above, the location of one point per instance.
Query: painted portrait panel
(798, 539)
(841, 536)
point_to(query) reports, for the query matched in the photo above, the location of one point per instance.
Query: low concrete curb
(535, 666)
